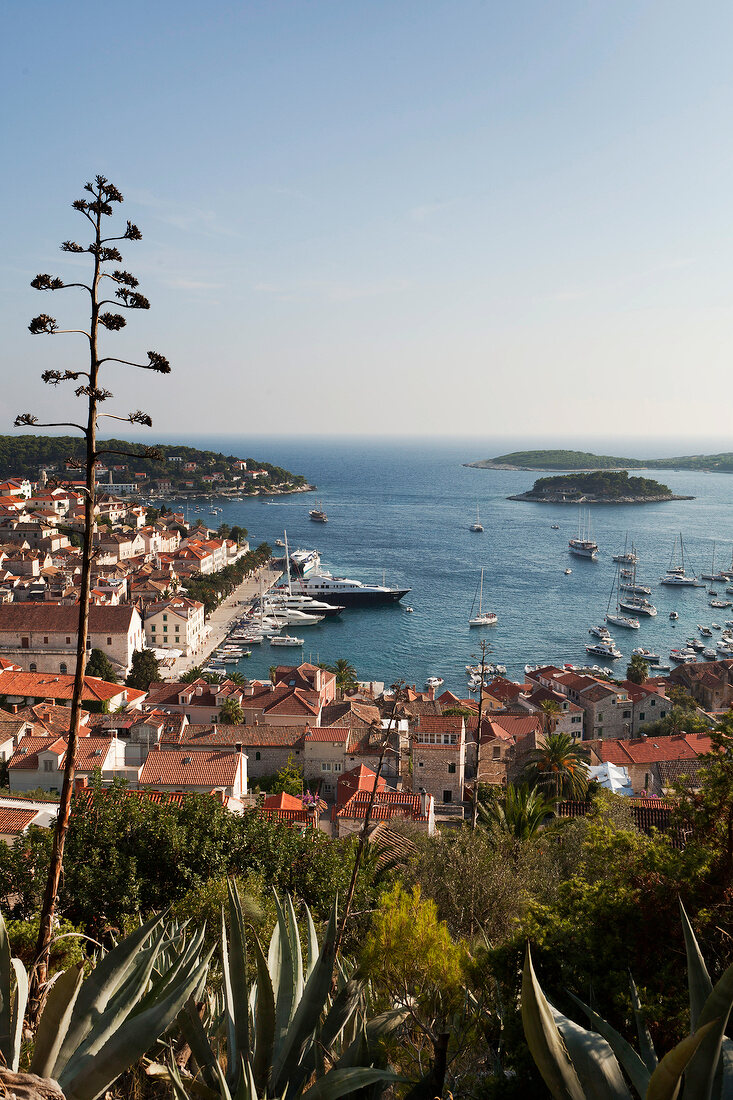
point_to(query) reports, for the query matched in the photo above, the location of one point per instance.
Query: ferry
(346, 593)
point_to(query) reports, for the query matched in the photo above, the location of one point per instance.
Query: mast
(481, 593)
(287, 563)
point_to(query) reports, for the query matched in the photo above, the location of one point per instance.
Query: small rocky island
(598, 487)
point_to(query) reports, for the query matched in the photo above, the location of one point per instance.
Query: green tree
(558, 766)
(289, 779)
(520, 813)
(637, 670)
(551, 714)
(145, 670)
(231, 713)
(95, 207)
(99, 665)
(345, 674)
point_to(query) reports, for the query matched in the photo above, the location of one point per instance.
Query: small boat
(568, 572)
(484, 618)
(705, 631)
(434, 682)
(555, 527)
(286, 640)
(501, 669)
(317, 514)
(649, 656)
(409, 610)
(600, 632)
(722, 604)
(716, 626)
(604, 649)
(637, 605)
(673, 615)
(694, 643)
(279, 542)
(477, 526)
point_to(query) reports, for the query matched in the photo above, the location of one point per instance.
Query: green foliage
(144, 670)
(345, 674)
(637, 670)
(583, 460)
(67, 946)
(231, 713)
(559, 767)
(289, 780)
(458, 712)
(605, 484)
(520, 813)
(100, 665)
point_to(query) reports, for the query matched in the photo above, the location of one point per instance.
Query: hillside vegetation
(585, 460)
(604, 484)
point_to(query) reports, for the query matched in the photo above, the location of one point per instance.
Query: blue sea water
(403, 509)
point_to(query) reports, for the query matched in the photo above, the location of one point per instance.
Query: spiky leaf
(665, 1080)
(635, 1069)
(544, 1040)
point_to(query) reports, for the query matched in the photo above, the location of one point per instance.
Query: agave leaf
(723, 1084)
(635, 1069)
(297, 954)
(20, 1000)
(544, 1040)
(646, 1046)
(274, 956)
(698, 979)
(175, 1079)
(312, 942)
(264, 1021)
(665, 1080)
(55, 1020)
(238, 972)
(118, 1010)
(341, 1082)
(226, 972)
(190, 1024)
(307, 1014)
(363, 1042)
(99, 988)
(184, 960)
(595, 1063)
(5, 995)
(285, 987)
(131, 1040)
(247, 1089)
(700, 1073)
(341, 1011)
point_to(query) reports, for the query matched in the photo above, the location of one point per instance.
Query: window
(627, 714)
(45, 641)
(258, 756)
(652, 703)
(447, 796)
(68, 641)
(662, 713)
(109, 641)
(599, 731)
(496, 752)
(24, 643)
(575, 718)
(337, 767)
(600, 717)
(642, 716)
(165, 618)
(451, 769)
(214, 719)
(32, 667)
(48, 765)
(421, 764)
(325, 767)
(62, 668)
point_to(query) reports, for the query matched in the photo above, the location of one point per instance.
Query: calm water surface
(404, 510)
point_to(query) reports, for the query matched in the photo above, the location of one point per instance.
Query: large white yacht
(344, 592)
(676, 575)
(604, 649)
(637, 605)
(583, 546)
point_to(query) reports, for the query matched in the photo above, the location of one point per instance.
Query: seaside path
(220, 621)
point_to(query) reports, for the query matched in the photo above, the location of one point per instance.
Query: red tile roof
(430, 724)
(62, 618)
(511, 727)
(282, 801)
(177, 768)
(14, 821)
(336, 735)
(91, 752)
(651, 750)
(387, 805)
(57, 685)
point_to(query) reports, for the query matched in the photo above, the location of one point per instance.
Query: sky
(383, 217)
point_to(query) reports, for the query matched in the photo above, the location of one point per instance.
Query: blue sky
(405, 218)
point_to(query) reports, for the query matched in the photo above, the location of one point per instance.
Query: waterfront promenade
(220, 621)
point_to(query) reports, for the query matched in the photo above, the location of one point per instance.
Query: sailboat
(626, 558)
(583, 546)
(636, 603)
(477, 526)
(616, 618)
(484, 618)
(675, 574)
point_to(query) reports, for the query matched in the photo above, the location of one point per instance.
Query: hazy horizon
(398, 218)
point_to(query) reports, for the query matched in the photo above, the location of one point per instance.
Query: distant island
(598, 487)
(178, 469)
(585, 460)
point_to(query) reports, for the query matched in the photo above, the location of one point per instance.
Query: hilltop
(179, 467)
(598, 487)
(586, 460)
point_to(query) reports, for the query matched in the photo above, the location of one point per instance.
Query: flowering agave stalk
(97, 206)
(577, 1064)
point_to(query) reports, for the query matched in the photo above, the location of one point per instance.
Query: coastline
(536, 498)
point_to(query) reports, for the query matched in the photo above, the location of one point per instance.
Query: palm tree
(551, 712)
(231, 713)
(521, 812)
(345, 674)
(558, 766)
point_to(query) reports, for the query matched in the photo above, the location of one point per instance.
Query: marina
(399, 514)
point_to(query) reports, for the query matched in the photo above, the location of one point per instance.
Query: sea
(401, 511)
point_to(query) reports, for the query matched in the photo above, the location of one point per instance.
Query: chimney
(214, 729)
(423, 802)
(199, 689)
(249, 690)
(431, 694)
(81, 782)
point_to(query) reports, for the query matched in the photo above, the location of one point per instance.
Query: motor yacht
(286, 640)
(604, 649)
(434, 682)
(600, 631)
(649, 655)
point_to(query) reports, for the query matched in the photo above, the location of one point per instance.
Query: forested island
(598, 487)
(158, 467)
(585, 460)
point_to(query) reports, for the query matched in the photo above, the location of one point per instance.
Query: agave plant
(91, 1030)
(577, 1064)
(292, 1034)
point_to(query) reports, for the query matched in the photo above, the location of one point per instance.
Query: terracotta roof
(274, 737)
(14, 821)
(651, 750)
(55, 719)
(511, 727)
(57, 685)
(432, 724)
(504, 690)
(91, 752)
(387, 805)
(177, 768)
(348, 713)
(282, 801)
(62, 618)
(162, 798)
(334, 734)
